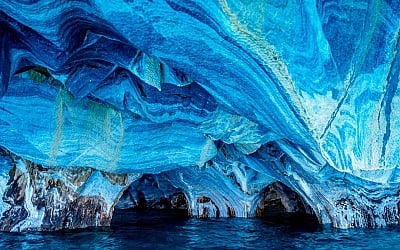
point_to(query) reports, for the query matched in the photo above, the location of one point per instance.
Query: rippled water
(162, 232)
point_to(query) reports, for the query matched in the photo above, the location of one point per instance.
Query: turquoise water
(169, 232)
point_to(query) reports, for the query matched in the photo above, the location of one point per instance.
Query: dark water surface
(151, 231)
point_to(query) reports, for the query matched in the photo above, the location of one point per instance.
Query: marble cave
(217, 108)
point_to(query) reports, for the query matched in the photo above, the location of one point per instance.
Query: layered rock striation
(215, 100)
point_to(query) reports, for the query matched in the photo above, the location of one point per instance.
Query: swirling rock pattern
(220, 97)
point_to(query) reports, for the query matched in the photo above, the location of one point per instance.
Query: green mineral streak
(152, 73)
(41, 75)
(38, 74)
(107, 129)
(59, 120)
(97, 127)
(118, 147)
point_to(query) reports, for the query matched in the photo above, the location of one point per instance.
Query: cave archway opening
(279, 204)
(149, 200)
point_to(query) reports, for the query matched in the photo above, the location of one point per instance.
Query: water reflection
(152, 231)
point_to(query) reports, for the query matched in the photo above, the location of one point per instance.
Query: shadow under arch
(279, 204)
(148, 199)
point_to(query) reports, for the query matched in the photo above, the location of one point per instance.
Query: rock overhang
(302, 93)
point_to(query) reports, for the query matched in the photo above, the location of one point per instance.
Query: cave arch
(280, 204)
(151, 195)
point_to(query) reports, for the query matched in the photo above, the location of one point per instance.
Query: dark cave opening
(150, 198)
(281, 205)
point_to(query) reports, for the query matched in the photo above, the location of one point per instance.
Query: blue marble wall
(305, 93)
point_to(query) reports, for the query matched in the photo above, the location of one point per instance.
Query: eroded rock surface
(220, 98)
(36, 198)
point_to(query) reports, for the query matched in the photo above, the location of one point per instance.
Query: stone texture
(220, 98)
(43, 199)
